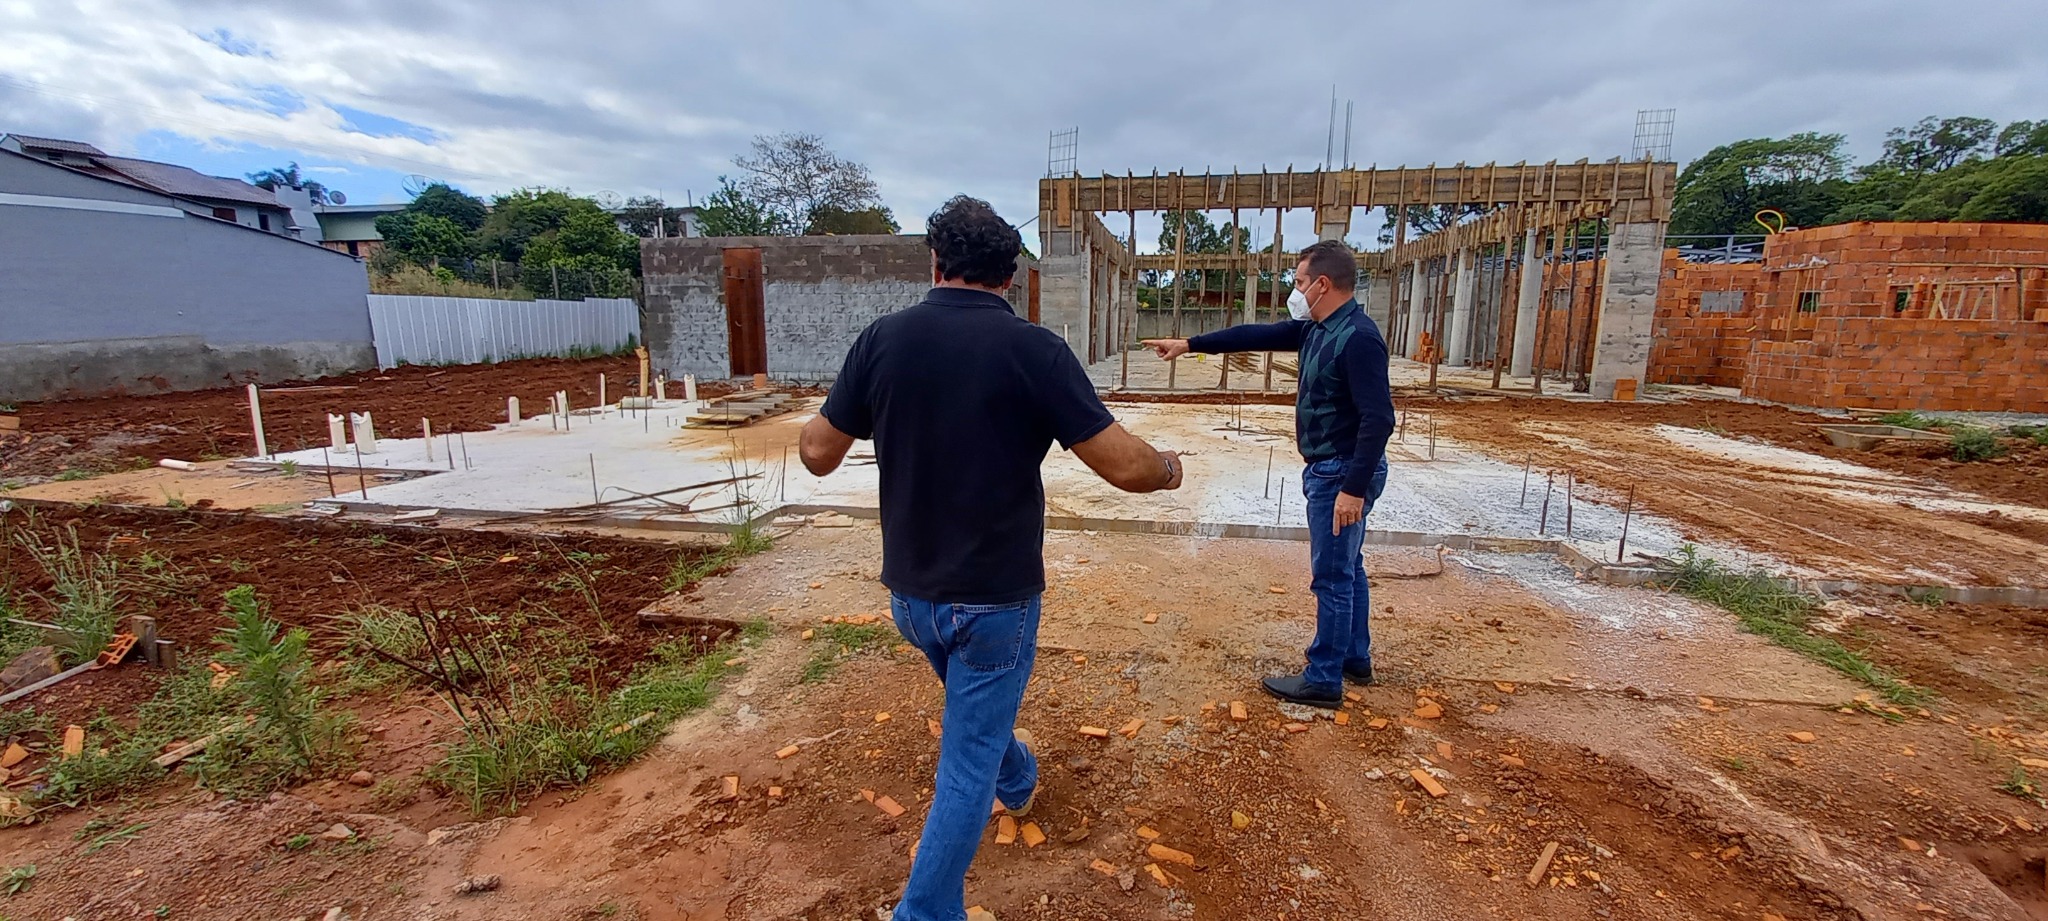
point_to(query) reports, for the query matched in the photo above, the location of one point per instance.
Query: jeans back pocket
(990, 637)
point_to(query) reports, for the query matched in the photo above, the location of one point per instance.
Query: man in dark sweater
(963, 398)
(1343, 413)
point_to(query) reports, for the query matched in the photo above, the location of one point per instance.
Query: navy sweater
(1344, 406)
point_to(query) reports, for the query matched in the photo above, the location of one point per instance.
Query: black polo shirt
(963, 399)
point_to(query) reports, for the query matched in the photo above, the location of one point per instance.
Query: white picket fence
(469, 330)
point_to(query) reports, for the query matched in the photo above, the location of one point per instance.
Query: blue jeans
(1337, 575)
(983, 654)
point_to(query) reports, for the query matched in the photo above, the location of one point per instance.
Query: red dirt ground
(110, 433)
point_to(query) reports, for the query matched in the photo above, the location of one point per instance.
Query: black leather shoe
(1294, 690)
(1361, 675)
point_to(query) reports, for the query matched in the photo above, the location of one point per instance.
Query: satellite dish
(416, 183)
(335, 197)
(609, 201)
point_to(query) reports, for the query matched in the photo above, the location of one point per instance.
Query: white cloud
(944, 97)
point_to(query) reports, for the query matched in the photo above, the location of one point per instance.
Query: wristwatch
(1172, 471)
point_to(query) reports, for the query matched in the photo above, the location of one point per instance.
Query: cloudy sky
(957, 96)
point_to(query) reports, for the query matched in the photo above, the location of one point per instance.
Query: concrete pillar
(1332, 223)
(1416, 321)
(1455, 351)
(1379, 300)
(1628, 306)
(1525, 306)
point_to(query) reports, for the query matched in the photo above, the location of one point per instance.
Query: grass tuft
(1779, 614)
(85, 595)
(1907, 419)
(1975, 444)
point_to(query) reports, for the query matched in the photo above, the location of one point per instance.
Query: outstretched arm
(822, 446)
(1126, 462)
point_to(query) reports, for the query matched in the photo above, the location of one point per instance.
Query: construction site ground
(1682, 766)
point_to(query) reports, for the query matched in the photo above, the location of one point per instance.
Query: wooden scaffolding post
(1131, 320)
(1236, 232)
(1180, 245)
(1279, 222)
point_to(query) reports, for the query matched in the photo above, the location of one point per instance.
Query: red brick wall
(1933, 365)
(1692, 345)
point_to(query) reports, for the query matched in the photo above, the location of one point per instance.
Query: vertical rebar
(448, 448)
(1269, 471)
(1281, 505)
(328, 463)
(1549, 479)
(782, 488)
(362, 482)
(1621, 550)
(593, 479)
(1569, 478)
(463, 437)
(1526, 461)
(1432, 437)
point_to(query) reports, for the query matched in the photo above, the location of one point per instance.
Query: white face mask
(1297, 305)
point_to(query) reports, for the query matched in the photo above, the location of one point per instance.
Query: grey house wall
(819, 292)
(111, 289)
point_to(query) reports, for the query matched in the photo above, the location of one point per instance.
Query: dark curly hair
(974, 244)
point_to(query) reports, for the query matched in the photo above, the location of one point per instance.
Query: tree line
(1938, 169)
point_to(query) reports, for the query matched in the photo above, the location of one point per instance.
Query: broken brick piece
(1152, 618)
(810, 633)
(868, 795)
(15, 755)
(1130, 729)
(74, 740)
(1512, 761)
(774, 792)
(1803, 738)
(1031, 834)
(1378, 722)
(882, 717)
(1238, 712)
(1428, 783)
(1103, 867)
(1158, 875)
(1166, 854)
(889, 806)
(732, 786)
(1095, 732)
(1429, 710)
(1006, 830)
(1504, 687)
(1275, 589)
(1295, 727)
(786, 751)
(932, 726)
(1148, 833)
(1342, 718)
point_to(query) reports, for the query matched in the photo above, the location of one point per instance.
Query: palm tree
(288, 177)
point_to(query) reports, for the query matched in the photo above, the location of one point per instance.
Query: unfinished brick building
(1929, 316)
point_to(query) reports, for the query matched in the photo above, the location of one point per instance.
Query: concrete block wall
(819, 294)
(106, 288)
(1930, 365)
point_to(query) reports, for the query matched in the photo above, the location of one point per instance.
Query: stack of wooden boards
(740, 409)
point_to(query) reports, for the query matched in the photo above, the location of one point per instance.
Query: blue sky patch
(233, 44)
(273, 99)
(384, 126)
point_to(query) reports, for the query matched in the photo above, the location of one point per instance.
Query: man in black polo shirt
(963, 399)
